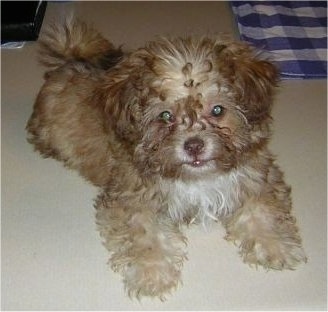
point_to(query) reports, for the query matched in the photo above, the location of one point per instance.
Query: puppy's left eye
(217, 110)
(166, 116)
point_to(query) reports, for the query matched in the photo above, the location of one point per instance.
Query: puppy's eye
(166, 116)
(217, 110)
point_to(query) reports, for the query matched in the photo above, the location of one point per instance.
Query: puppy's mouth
(197, 163)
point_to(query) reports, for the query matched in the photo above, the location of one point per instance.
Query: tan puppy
(173, 132)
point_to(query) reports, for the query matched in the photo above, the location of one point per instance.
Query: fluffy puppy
(172, 133)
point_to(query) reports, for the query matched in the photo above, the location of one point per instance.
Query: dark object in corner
(21, 20)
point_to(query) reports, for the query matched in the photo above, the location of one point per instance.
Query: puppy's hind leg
(145, 247)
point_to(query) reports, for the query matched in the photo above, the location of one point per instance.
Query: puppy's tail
(75, 41)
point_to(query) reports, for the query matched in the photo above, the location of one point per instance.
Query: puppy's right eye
(166, 116)
(217, 110)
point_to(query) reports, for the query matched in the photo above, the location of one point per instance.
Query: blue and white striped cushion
(294, 32)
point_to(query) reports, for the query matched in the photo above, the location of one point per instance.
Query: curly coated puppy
(172, 133)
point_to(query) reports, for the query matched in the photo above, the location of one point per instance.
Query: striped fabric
(294, 33)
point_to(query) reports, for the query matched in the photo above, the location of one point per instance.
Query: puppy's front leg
(265, 228)
(145, 246)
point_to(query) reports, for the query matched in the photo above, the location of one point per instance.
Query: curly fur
(174, 132)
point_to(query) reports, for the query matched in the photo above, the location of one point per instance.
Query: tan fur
(176, 131)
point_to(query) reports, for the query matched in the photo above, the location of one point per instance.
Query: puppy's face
(192, 108)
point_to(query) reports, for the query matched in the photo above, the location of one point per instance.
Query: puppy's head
(192, 107)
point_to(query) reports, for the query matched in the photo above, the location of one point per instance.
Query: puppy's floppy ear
(125, 91)
(253, 79)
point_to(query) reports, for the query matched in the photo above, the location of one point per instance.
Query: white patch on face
(177, 90)
(179, 84)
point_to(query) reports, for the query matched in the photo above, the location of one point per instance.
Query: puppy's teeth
(197, 163)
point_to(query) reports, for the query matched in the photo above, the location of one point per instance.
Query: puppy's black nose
(194, 146)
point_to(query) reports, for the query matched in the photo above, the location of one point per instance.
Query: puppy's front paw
(151, 279)
(272, 253)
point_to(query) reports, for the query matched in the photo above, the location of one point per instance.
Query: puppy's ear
(124, 91)
(253, 79)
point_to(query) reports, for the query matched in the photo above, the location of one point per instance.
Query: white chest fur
(204, 199)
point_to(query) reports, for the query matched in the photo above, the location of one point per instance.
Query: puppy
(173, 133)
